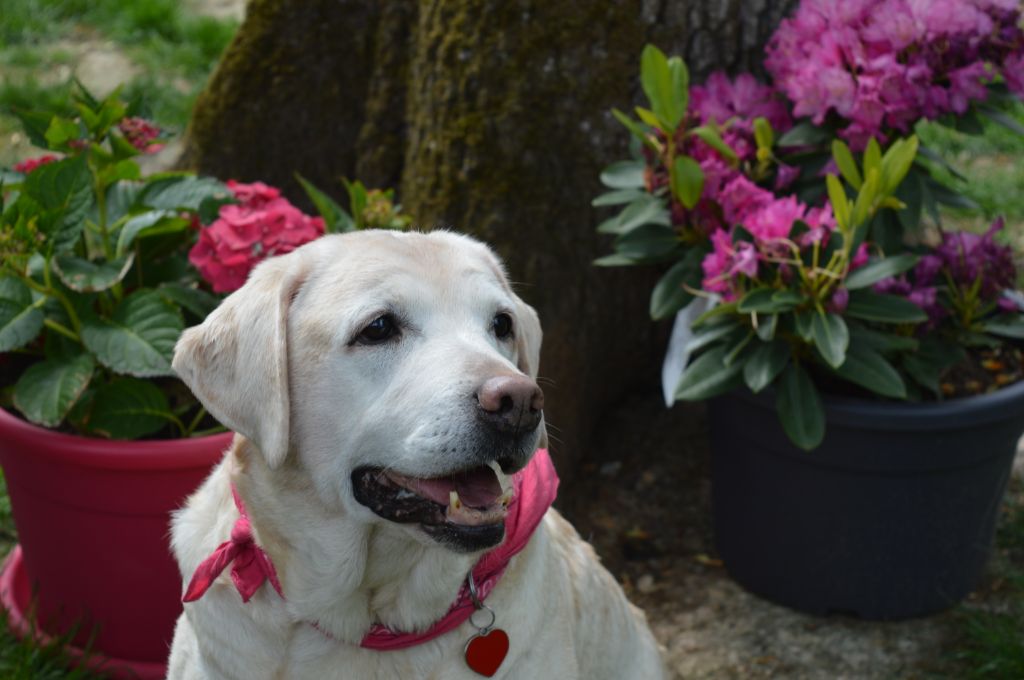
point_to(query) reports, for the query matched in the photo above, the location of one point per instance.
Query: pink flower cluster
(262, 224)
(880, 65)
(29, 164)
(962, 260)
(141, 134)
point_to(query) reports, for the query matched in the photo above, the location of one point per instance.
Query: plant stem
(195, 422)
(63, 330)
(50, 290)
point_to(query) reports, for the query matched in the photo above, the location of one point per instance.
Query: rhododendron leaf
(710, 136)
(615, 260)
(766, 326)
(637, 131)
(657, 80)
(935, 157)
(803, 323)
(86, 276)
(896, 163)
(618, 197)
(128, 408)
(648, 242)
(707, 376)
(647, 116)
(1007, 326)
(735, 350)
(869, 369)
(336, 220)
(881, 342)
(762, 300)
(710, 333)
(799, 407)
(195, 300)
(871, 306)
(846, 164)
(878, 269)
(680, 77)
(139, 337)
(787, 297)
(20, 317)
(831, 337)
(804, 134)
(933, 358)
(764, 364)
(47, 390)
(671, 294)
(872, 156)
(687, 181)
(862, 207)
(764, 136)
(953, 199)
(181, 192)
(624, 175)
(840, 203)
(646, 209)
(712, 314)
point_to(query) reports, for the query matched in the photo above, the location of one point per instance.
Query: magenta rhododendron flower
(261, 225)
(880, 65)
(141, 134)
(29, 164)
(740, 101)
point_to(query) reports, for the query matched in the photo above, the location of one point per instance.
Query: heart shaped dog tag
(486, 651)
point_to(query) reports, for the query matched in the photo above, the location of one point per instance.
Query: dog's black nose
(511, 404)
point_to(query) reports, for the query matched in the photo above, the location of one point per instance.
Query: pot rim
(149, 454)
(1003, 404)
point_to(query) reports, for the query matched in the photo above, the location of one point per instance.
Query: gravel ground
(644, 504)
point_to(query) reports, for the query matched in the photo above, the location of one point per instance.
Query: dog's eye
(381, 329)
(502, 325)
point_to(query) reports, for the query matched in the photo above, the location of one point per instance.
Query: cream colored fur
(275, 363)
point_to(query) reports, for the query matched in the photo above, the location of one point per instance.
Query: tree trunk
(491, 117)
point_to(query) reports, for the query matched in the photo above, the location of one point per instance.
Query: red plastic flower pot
(93, 522)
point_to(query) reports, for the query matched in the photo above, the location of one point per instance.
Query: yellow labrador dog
(382, 389)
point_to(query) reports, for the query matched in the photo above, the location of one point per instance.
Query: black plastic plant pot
(892, 517)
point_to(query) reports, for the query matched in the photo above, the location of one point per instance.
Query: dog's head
(396, 371)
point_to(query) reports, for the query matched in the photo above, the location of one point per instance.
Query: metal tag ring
(487, 610)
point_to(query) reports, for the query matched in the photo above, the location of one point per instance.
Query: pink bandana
(536, 486)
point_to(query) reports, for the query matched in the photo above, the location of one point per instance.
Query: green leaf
(20, 319)
(647, 242)
(647, 117)
(708, 376)
(60, 132)
(846, 164)
(679, 76)
(1001, 117)
(139, 337)
(129, 408)
(878, 269)
(142, 225)
(764, 136)
(800, 409)
(35, 124)
(708, 334)
(931, 360)
(181, 192)
(687, 181)
(635, 129)
(896, 162)
(124, 169)
(804, 134)
(831, 337)
(767, 326)
(85, 276)
(1006, 326)
(618, 197)
(735, 350)
(803, 321)
(647, 209)
(660, 83)
(865, 304)
(624, 175)
(869, 369)
(615, 260)
(840, 203)
(763, 300)
(63, 189)
(46, 391)
(669, 295)
(873, 156)
(336, 220)
(764, 364)
(710, 136)
(881, 342)
(195, 300)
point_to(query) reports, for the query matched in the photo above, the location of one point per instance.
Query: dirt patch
(644, 503)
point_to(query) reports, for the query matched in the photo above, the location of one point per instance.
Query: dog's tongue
(477, 488)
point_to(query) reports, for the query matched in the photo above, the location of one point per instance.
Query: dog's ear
(528, 338)
(236, 361)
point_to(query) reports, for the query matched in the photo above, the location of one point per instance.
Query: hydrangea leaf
(139, 337)
(181, 192)
(20, 318)
(85, 276)
(129, 408)
(47, 390)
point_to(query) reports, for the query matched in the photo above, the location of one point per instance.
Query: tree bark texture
(490, 117)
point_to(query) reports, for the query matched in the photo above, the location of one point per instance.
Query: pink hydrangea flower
(261, 225)
(29, 164)
(141, 134)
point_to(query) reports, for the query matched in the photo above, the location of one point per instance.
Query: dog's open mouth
(465, 509)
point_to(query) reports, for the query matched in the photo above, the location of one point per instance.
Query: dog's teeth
(503, 480)
(506, 498)
(453, 501)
